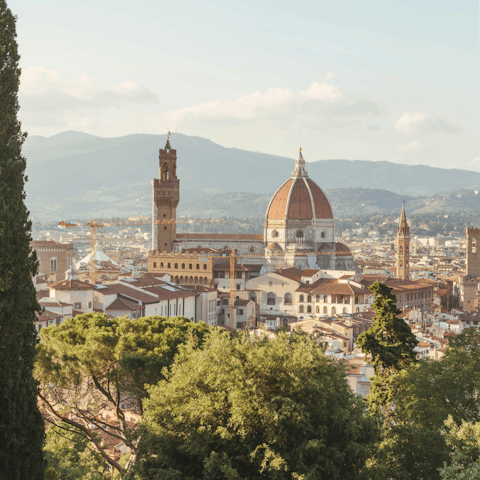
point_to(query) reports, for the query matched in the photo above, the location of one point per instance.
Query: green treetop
(93, 371)
(238, 409)
(21, 425)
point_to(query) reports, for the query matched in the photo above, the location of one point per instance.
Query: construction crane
(95, 224)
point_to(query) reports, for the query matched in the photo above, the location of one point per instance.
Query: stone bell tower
(473, 251)
(166, 195)
(403, 247)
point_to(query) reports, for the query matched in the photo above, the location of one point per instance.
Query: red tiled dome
(299, 198)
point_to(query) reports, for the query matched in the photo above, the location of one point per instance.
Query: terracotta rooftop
(164, 294)
(122, 304)
(299, 198)
(291, 273)
(71, 285)
(123, 289)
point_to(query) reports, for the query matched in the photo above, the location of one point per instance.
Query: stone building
(54, 258)
(299, 231)
(469, 284)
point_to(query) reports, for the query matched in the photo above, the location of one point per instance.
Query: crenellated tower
(473, 251)
(403, 247)
(166, 195)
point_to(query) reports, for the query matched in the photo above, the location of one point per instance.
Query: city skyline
(344, 81)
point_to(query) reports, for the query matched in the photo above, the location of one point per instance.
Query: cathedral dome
(299, 198)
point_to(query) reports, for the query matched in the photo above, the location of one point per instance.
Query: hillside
(73, 174)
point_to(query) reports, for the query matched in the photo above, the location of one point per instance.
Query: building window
(154, 264)
(238, 275)
(198, 266)
(474, 245)
(253, 296)
(300, 309)
(274, 234)
(309, 299)
(176, 266)
(325, 299)
(238, 286)
(240, 311)
(161, 264)
(322, 234)
(317, 310)
(309, 309)
(301, 299)
(168, 265)
(205, 267)
(287, 299)
(344, 310)
(190, 266)
(325, 310)
(271, 298)
(53, 264)
(334, 310)
(356, 299)
(89, 304)
(299, 234)
(77, 305)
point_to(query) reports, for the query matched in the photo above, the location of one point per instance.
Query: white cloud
(423, 123)
(415, 146)
(320, 105)
(475, 162)
(45, 92)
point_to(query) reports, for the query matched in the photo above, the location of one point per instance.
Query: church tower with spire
(166, 195)
(403, 247)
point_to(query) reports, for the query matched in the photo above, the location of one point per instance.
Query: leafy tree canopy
(237, 409)
(93, 370)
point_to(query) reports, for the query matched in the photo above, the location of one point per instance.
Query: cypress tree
(390, 344)
(21, 424)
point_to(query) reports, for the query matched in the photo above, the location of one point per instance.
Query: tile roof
(144, 282)
(310, 272)
(291, 273)
(47, 315)
(122, 304)
(123, 289)
(71, 285)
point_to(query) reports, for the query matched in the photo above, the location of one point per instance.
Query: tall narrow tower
(166, 195)
(403, 247)
(473, 251)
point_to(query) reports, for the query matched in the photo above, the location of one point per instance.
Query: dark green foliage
(390, 343)
(235, 409)
(92, 364)
(427, 394)
(21, 425)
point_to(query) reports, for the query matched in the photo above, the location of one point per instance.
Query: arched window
(325, 299)
(274, 234)
(344, 309)
(154, 264)
(317, 298)
(287, 299)
(357, 309)
(301, 299)
(205, 266)
(401, 250)
(300, 309)
(176, 280)
(205, 281)
(181, 280)
(165, 172)
(325, 310)
(474, 245)
(253, 296)
(334, 310)
(183, 266)
(271, 298)
(356, 299)
(161, 264)
(198, 266)
(309, 309)
(299, 234)
(168, 265)
(190, 266)
(53, 264)
(309, 299)
(176, 266)
(322, 234)
(317, 310)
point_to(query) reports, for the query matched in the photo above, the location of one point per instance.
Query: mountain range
(77, 175)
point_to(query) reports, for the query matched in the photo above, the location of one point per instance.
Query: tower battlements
(167, 153)
(473, 231)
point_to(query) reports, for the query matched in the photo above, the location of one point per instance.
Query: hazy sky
(393, 80)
